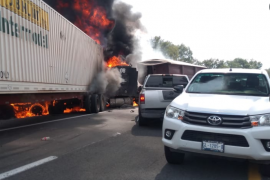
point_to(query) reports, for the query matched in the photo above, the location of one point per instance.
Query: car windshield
(166, 81)
(232, 83)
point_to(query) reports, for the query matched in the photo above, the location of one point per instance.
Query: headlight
(260, 120)
(172, 112)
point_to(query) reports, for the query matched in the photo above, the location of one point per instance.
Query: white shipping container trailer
(46, 62)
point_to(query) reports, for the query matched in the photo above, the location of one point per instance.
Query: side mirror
(139, 89)
(179, 88)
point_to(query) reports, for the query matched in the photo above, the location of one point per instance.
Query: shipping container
(167, 66)
(43, 56)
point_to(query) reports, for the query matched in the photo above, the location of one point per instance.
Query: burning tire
(95, 103)
(37, 109)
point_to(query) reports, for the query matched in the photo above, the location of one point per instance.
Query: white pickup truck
(157, 93)
(221, 112)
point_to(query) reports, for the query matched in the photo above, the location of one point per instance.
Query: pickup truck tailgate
(156, 99)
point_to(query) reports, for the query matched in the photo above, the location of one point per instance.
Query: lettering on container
(30, 11)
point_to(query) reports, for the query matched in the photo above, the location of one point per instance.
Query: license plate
(213, 146)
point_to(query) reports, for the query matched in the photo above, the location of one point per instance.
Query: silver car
(157, 92)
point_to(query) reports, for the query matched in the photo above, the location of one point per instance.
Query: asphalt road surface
(105, 146)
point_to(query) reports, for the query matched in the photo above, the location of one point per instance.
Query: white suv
(222, 112)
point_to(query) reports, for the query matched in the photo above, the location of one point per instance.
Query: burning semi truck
(48, 64)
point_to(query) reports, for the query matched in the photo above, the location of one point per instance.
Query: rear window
(166, 81)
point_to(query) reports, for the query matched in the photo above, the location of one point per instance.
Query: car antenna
(230, 68)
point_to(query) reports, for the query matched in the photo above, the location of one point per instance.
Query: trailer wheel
(102, 103)
(87, 104)
(6, 112)
(95, 103)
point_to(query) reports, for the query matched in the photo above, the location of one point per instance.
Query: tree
(243, 63)
(185, 54)
(168, 49)
(155, 42)
(197, 62)
(214, 63)
(172, 51)
(255, 64)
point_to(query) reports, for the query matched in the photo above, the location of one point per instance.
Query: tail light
(142, 99)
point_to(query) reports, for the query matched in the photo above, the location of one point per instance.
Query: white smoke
(107, 82)
(147, 50)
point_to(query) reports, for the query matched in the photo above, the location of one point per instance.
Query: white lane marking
(47, 122)
(26, 167)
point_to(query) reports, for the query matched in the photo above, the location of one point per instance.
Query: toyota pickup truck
(157, 93)
(221, 112)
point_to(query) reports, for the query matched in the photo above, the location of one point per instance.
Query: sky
(222, 29)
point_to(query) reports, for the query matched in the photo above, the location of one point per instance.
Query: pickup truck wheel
(173, 157)
(265, 170)
(95, 103)
(142, 121)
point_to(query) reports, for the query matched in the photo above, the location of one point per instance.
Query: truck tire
(265, 169)
(173, 157)
(102, 103)
(6, 112)
(87, 104)
(142, 121)
(95, 103)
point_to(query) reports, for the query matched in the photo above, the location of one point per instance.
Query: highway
(108, 145)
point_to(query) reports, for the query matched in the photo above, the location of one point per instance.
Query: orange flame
(116, 61)
(75, 109)
(90, 18)
(24, 110)
(134, 103)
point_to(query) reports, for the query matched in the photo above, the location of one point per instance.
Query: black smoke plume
(88, 15)
(118, 38)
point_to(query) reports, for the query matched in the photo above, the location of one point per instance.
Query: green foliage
(243, 63)
(184, 53)
(236, 63)
(171, 51)
(214, 63)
